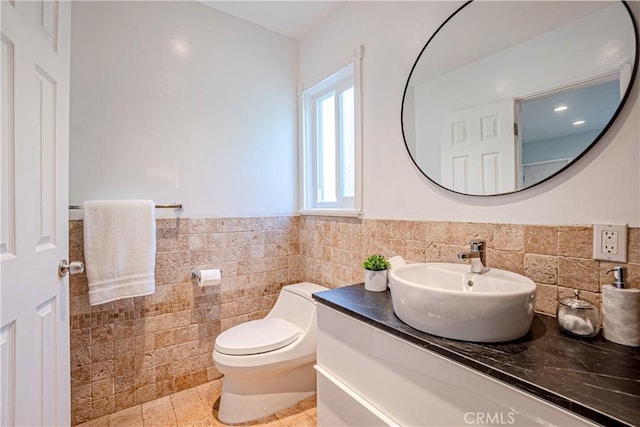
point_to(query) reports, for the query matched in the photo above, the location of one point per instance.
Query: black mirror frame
(585, 151)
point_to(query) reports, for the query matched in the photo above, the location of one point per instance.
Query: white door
(533, 173)
(478, 149)
(34, 342)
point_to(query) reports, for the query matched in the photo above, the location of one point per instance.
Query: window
(331, 144)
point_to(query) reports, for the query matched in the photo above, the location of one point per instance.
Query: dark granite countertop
(594, 378)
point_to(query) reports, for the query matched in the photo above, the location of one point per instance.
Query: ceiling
(293, 19)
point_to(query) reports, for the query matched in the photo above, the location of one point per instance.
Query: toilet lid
(257, 336)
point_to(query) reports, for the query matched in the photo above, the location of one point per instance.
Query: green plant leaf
(375, 262)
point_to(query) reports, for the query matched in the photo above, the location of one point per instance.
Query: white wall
(177, 101)
(602, 186)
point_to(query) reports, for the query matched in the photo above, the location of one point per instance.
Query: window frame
(336, 83)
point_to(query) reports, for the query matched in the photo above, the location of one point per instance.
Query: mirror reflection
(507, 94)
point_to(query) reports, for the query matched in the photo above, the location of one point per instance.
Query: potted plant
(375, 273)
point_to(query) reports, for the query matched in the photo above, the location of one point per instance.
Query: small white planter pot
(375, 281)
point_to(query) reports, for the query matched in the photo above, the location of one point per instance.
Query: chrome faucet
(477, 255)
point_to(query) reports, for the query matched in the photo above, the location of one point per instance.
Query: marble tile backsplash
(132, 351)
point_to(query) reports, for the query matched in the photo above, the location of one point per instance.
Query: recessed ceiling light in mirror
(560, 108)
(578, 122)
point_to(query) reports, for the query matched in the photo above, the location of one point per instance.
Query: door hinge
(515, 128)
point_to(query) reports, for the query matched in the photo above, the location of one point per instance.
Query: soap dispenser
(578, 317)
(620, 310)
(618, 276)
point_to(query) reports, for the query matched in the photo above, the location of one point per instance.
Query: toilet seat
(257, 336)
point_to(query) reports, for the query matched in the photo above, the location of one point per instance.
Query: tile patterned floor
(195, 408)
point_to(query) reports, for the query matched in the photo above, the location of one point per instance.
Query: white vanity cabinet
(369, 377)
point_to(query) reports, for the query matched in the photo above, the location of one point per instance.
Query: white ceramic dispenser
(621, 311)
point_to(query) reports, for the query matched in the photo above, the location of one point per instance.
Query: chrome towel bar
(158, 206)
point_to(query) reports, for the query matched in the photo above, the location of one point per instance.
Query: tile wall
(135, 350)
(557, 258)
(131, 351)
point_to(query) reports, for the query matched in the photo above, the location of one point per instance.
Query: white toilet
(268, 363)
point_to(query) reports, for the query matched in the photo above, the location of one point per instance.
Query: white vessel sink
(448, 300)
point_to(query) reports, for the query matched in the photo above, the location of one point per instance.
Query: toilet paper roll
(210, 277)
(621, 315)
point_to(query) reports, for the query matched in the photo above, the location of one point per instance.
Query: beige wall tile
(79, 304)
(633, 252)
(578, 273)
(546, 298)
(104, 406)
(125, 382)
(197, 241)
(575, 242)
(436, 232)
(506, 260)
(192, 225)
(541, 268)
(81, 395)
(102, 389)
(416, 230)
(416, 251)
(541, 239)
(80, 338)
(82, 414)
(165, 387)
(130, 351)
(478, 231)
(439, 252)
(145, 393)
(102, 370)
(124, 400)
(633, 276)
(385, 246)
(447, 232)
(80, 357)
(508, 237)
(101, 334)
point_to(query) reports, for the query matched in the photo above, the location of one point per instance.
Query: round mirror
(508, 94)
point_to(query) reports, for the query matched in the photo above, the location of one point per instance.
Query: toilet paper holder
(195, 275)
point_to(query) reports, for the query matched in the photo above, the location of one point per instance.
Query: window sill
(332, 212)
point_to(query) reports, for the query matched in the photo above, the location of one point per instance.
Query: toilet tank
(295, 304)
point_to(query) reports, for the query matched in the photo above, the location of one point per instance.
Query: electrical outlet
(610, 242)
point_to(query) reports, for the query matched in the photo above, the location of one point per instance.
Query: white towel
(119, 249)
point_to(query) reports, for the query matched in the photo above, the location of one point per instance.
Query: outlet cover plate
(614, 250)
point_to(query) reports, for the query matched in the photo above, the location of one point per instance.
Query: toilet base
(251, 397)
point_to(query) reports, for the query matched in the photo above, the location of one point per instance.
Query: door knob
(73, 267)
